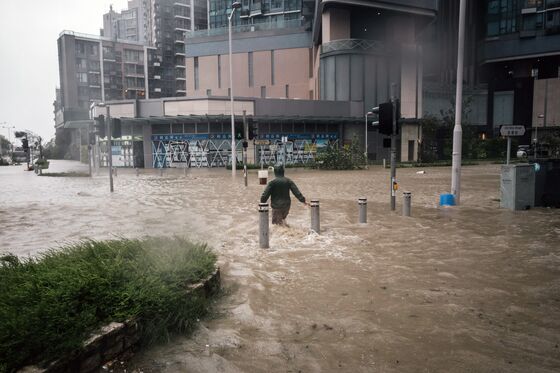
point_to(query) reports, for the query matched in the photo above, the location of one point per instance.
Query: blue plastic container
(447, 200)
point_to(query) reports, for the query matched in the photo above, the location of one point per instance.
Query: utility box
(547, 182)
(517, 186)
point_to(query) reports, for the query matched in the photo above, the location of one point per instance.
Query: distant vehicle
(524, 151)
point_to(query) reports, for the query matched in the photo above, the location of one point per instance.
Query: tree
(5, 146)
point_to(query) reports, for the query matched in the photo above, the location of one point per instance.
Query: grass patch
(51, 304)
(65, 174)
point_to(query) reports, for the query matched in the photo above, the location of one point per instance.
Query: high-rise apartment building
(94, 68)
(133, 23)
(162, 25)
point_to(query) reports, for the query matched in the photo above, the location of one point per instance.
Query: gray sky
(29, 63)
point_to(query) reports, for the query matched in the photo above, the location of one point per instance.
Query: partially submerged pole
(263, 226)
(315, 224)
(362, 210)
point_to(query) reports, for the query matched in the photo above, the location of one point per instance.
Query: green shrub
(51, 304)
(349, 157)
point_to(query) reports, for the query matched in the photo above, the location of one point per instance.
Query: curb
(114, 339)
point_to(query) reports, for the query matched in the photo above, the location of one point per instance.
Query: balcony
(294, 23)
(361, 46)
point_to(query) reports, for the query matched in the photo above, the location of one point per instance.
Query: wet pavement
(469, 289)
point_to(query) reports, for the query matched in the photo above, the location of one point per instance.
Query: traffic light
(25, 144)
(116, 130)
(100, 126)
(91, 138)
(385, 114)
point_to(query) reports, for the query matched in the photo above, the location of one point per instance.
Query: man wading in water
(279, 191)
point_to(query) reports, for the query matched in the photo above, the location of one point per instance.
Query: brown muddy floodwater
(468, 289)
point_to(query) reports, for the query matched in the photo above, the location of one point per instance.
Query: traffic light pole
(109, 149)
(393, 148)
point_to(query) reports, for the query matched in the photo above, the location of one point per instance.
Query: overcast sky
(29, 56)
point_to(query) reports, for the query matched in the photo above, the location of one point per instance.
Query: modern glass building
(519, 56)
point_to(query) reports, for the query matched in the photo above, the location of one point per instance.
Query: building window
(250, 67)
(94, 65)
(272, 67)
(196, 73)
(263, 91)
(208, 92)
(81, 63)
(82, 77)
(219, 71)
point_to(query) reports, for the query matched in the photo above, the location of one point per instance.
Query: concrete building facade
(349, 51)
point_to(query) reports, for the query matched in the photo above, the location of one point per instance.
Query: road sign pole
(508, 149)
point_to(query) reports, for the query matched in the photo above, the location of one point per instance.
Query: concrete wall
(336, 24)
(67, 69)
(410, 132)
(291, 67)
(210, 107)
(363, 71)
(546, 90)
(147, 136)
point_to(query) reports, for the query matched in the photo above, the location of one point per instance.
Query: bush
(50, 305)
(349, 157)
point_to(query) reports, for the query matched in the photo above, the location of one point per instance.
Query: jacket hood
(279, 171)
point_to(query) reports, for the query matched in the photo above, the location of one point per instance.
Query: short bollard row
(315, 216)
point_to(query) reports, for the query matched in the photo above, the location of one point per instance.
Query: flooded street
(469, 289)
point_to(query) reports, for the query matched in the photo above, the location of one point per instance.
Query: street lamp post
(366, 143)
(458, 130)
(234, 6)
(109, 144)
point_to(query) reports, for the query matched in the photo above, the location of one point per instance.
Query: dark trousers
(279, 215)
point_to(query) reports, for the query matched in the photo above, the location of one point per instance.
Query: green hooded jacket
(279, 190)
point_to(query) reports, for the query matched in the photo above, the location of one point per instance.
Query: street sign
(508, 131)
(261, 142)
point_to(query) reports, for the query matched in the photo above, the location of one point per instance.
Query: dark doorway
(410, 150)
